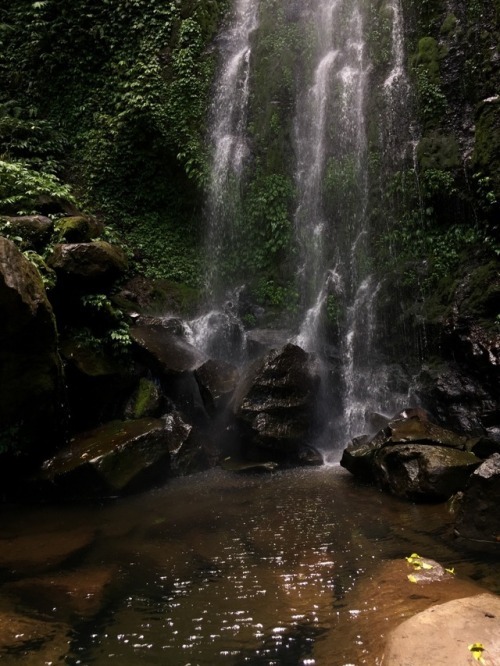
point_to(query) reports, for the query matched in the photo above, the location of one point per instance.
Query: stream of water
(295, 568)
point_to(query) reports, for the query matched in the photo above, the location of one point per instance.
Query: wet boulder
(423, 471)
(118, 458)
(275, 404)
(217, 381)
(91, 265)
(31, 376)
(413, 458)
(146, 400)
(478, 517)
(165, 352)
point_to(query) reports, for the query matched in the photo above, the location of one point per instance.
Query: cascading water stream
(218, 331)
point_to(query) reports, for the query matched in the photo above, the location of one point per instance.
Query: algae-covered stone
(78, 229)
(34, 230)
(146, 400)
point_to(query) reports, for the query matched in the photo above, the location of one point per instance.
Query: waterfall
(218, 331)
(340, 97)
(227, 137)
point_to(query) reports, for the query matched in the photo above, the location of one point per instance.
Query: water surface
(220, 568)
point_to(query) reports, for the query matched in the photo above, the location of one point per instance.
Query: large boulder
(478, 517)
(275, 404)
(165, 352)
(118, 458)
(78, 229)
(413, 458)
(91, 265)
(445, 634)
(423, 471)
(217, 381)
(31, 377)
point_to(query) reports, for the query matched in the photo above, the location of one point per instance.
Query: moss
(428, 55)
(438, 151)
(449, 24)
(146, 399)
(486, 157)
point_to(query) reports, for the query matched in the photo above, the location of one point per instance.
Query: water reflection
(226, 569)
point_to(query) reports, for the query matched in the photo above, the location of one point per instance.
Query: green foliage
(281, 296)
(431, 98)
(114, 335)
(21, 188)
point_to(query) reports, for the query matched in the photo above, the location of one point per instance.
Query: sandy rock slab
(32, 642)
(442, 635)
(41, 552)
(82, 592)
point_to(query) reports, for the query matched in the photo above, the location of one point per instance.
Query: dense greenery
(110, 97)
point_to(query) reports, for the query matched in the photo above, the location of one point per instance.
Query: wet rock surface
(32, 641)
(444, 634)
(478, 517)
(217, 381)
(166, 353)
(44, 551)
(117, 458)
(275, 403)
(413, 458)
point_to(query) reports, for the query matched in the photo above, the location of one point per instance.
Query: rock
(196, 453)
(31, 377)
(217, 381)
(99, 383)
(166, 353)
(78, 229)
(478, 517)
(413, 458)
(95, 265)
(443, 634)
(261, 340)
(117, 458)
(276, 402)
(388, 591)
(32, 641)
(422, 471)
(147, 400)
(40, 552)
(81, 592)
(35, 230)
(231, 465)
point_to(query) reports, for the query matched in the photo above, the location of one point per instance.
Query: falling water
(218, 331)
(331, 130)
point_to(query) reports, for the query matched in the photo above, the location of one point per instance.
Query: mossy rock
(438, 151)
(146, 400)
(78, 229)
(428, 55)
(449, 24)
(486, 156)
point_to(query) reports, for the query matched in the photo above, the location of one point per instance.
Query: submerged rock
(478, 517)
(32, 641)
(117, 458)
(275, 404)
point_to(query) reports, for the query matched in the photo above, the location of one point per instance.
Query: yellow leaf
(477, 650)
(451, 571)
(425, 565)
(412, 578)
